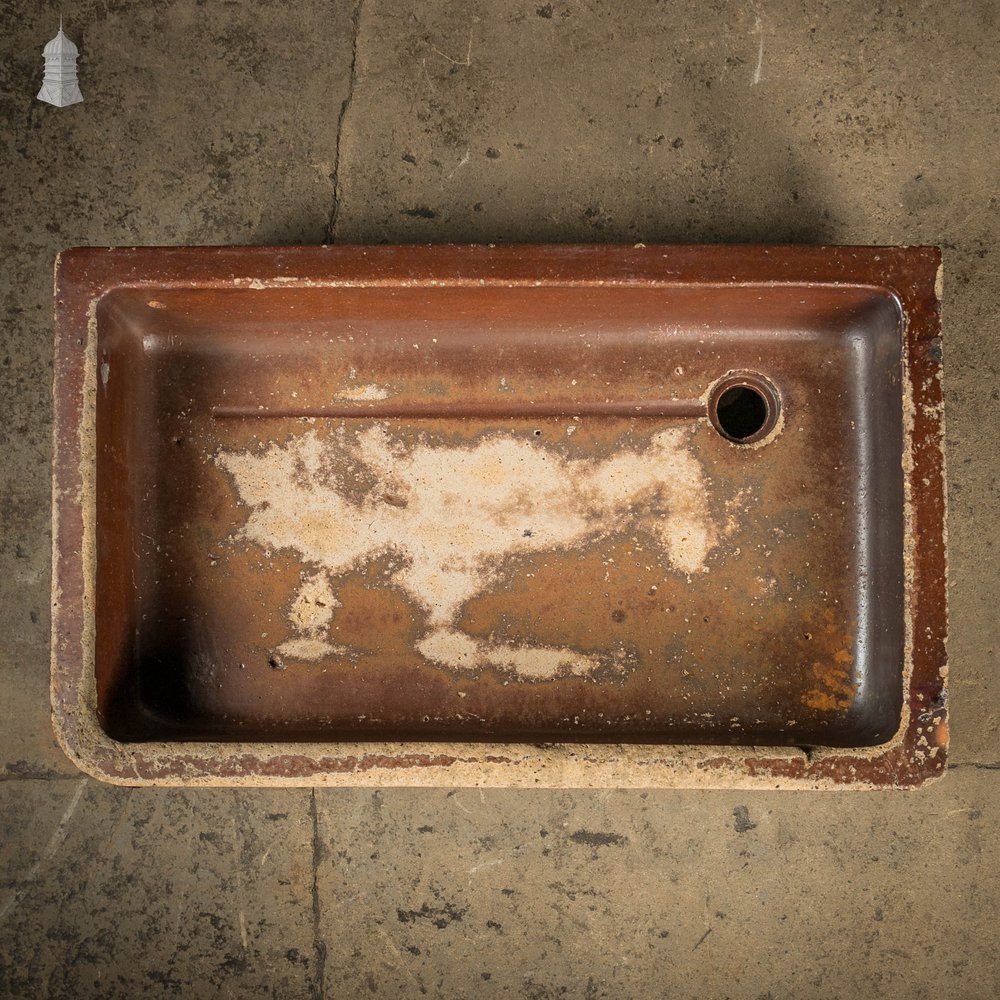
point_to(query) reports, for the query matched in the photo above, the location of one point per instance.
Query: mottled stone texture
(273, 122)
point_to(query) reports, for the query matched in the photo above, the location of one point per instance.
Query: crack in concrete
(319, 945)
(331, 222)
(23, 885)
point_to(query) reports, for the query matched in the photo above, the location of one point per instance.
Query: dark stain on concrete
(439, 916)
(597, 839)
(420, 212)
(741, 820)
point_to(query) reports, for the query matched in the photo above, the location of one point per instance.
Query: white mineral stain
(450, 516)
(461, 651)
(364, 393)
(314, 604)
(310, 615)
(310, 649)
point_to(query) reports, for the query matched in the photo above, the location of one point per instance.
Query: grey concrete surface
(224, 122)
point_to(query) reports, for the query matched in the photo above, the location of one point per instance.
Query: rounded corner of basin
(113, 730)
(885, 316)
(87, 743)
(101, 757)
(893, 305)
(872, 721)
(68, 740)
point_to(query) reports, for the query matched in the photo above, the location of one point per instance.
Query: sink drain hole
(744, 408)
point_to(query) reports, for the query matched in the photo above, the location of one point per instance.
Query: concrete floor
(280, 122)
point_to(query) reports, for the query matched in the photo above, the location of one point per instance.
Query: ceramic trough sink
(563, 516)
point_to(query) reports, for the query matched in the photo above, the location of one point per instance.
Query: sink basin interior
(517, 512)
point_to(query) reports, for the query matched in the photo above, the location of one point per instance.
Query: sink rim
(916, 753)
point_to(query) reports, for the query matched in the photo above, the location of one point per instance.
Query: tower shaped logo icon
(59, 85)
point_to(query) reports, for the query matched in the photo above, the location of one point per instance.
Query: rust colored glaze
(529, 515)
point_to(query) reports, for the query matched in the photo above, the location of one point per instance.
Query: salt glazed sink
(560, 516)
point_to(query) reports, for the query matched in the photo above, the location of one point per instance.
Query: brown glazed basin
(627, 516)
